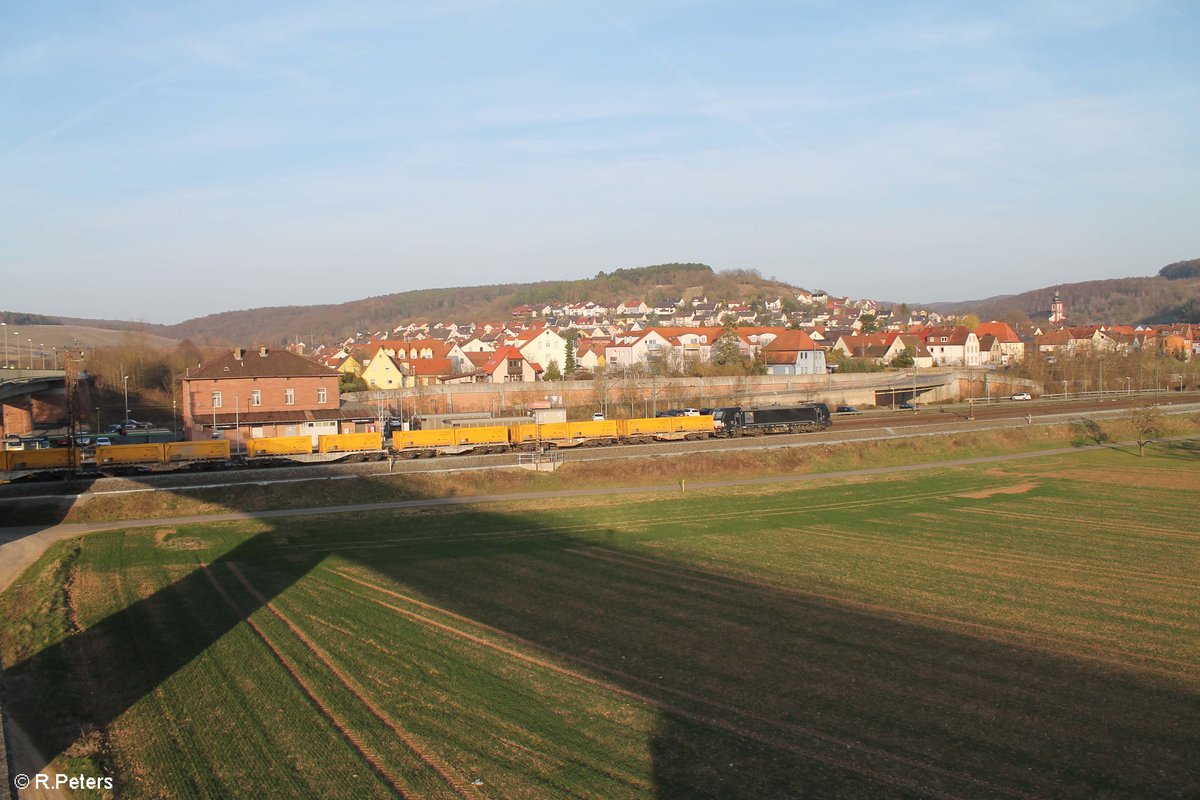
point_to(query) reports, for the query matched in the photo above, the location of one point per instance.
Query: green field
(1010, 630)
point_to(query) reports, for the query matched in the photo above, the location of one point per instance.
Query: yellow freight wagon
(211, 450)
(644, 426)
(279, 446)
(349, 442)
(529, 432)
(48, 458)
(491, 435)
(404, 440)
(667, 428)
(700, 424)
(606, 429)
(129, 454)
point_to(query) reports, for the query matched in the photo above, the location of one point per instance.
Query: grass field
(1016, 630)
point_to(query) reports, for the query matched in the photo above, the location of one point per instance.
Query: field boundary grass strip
(828, 600)
(673, 708)
(369, 756)
(408, 739)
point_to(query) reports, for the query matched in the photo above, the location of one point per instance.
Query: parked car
(1022, 396)
(907, 406)
(674, 412)
(129, 425)
(103, 441)
(691, 412)
(598, 417)
(848, 410)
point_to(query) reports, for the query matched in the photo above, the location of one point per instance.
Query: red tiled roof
(789, 341)
(253, 364)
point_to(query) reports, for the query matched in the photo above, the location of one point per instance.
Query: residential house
(633, 308)
(540, 346)
(952, 347)
(793, 352)
(505, 365)
(243, 394)
(1006, 340)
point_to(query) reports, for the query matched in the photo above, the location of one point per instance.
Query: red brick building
(244, 394)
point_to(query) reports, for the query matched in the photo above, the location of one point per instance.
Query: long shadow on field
(760, 692)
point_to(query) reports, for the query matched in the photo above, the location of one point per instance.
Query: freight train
(522, 436)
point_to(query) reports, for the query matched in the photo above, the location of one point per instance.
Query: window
(289, 397)
(255, 397)
(216, 398)
(321, 394)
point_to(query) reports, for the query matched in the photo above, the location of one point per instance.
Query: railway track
(866, 426)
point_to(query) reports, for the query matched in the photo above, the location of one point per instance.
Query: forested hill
(470, 303)
(1173, 295)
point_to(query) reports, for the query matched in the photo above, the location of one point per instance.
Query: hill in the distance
(470, 303)
(323, 323)
(1173, 295)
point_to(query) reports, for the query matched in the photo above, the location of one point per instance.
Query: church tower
(1057, 310)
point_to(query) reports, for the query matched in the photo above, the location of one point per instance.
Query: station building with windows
(249, 394)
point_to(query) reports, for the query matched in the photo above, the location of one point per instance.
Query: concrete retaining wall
(626, 396)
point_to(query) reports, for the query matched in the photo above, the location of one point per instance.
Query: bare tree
(1147, 423)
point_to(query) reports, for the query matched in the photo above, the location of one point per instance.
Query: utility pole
(71, 385)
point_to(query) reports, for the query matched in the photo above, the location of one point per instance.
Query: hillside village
(802, 334)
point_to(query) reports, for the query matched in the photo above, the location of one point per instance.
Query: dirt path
(26, 760)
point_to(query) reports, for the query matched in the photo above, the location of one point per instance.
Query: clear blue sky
(164, 160)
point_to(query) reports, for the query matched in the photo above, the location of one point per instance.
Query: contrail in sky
(87, 113)
(731, 111)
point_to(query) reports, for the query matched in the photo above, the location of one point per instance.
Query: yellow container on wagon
(129, 454)
(402, 440)
(658, 426)
(702, 423)
(532, 432)
(47, 458)
(645, 426)
(349, 442)
(279, 446)
(605, 429)
(206, 450)
(492, 434)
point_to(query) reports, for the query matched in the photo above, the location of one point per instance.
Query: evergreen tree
(728, 350)
(552, 372)
(569, 365)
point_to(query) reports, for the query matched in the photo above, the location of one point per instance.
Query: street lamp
(5, 326)
(18, 335)
(55, 351)
(1127, 384)
(43, 346)
(30, 341)
(126, 399)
